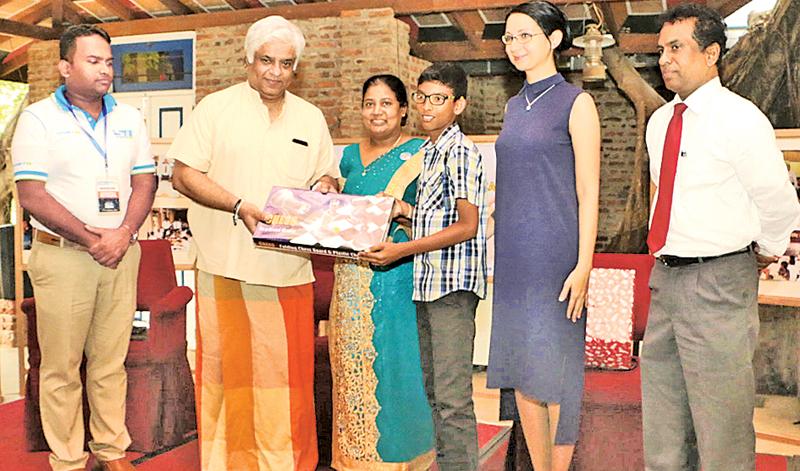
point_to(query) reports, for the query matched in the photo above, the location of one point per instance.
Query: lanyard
(100, 149)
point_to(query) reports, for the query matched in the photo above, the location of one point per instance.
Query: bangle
(236, 208)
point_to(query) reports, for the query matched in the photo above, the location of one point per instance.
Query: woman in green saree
(381, 418)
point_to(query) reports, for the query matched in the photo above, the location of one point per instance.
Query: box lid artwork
(329, 224)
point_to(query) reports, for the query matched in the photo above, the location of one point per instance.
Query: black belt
(675, 261)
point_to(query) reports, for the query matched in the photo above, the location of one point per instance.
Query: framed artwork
(156, 65)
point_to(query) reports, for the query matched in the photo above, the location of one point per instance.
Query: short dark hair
(395, 85)
(447, 73)
(549, 17)
(67, 43)
(709, 27)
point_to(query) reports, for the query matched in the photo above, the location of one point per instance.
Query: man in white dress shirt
(722, 199)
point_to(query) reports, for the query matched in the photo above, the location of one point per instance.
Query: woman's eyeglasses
(437, 99)
(522, 38)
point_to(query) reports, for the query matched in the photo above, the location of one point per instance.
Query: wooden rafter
(117, 8)
(614, 15)
(177, 7)
(238, 4)
(57, 12)
(631, 43)
(26, 30)
(727, 7)
(302, 11)
(493, 49)
(73, 15)
(462, 50)
(33, 14)
(471, 23)
(19, 60)
(123, 10)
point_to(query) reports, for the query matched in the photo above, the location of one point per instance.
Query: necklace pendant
(528, 108)
(364, 173)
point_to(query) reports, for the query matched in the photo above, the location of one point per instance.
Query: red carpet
(492, 440)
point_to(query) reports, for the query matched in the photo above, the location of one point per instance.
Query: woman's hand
(400, 209)
(576, 286)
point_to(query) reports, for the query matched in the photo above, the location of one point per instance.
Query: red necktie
(657, 236)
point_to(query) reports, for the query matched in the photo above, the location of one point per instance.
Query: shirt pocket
(295, 164)
(434, 192)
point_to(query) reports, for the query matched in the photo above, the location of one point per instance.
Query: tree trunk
(764, 66)
(631, 236)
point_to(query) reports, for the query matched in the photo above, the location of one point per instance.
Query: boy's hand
(383, 254)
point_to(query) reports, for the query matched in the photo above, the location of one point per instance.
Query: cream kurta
(230, 136)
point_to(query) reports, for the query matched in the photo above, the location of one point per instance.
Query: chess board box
(328, 224)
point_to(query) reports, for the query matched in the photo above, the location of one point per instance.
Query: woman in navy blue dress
(548, 167)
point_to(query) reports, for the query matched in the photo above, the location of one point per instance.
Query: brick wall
(43, 76)
(341, 52)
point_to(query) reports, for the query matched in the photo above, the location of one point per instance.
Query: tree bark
(631, 236)
(764, 66)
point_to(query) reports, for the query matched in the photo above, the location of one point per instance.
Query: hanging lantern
(593, 41)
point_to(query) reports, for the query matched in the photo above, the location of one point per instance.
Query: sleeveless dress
(382, 420)
(534, 347)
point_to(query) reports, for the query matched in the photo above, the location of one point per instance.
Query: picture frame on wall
(153, 65)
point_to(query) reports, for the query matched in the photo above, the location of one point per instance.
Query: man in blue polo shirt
(83, 169)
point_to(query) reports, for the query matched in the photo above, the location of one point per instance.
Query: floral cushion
(609, 321)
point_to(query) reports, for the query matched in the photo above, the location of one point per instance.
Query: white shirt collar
(699, 100)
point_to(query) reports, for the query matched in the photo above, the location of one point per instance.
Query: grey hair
(273, 28)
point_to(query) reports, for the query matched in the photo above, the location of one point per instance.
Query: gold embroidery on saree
(352, 356)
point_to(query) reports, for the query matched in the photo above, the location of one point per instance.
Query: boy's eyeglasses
(522, 38)
(437, 99)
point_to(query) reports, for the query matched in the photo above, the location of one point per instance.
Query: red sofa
(160, 401)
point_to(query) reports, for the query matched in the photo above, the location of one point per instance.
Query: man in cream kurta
(256, 306)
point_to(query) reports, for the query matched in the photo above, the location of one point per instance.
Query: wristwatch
(134, 234)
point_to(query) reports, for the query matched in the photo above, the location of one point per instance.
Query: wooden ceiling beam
(303, 11)
(123, 10)
(493, 49)
(177, 7)
(614, 15)
(19, 60)
(15, 28)
(727, 7)
(238, 4)
(73, 15)
(631, 43)
(33, 14)
(117, 8)
(471, 23)
(57, 12)
(461, 50)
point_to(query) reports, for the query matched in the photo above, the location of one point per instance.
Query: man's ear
(712, 53)
(460, 105)
(64, 68)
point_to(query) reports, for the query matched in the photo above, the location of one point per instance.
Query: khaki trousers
(83, 308)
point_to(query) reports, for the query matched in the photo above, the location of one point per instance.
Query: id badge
(108, 196)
